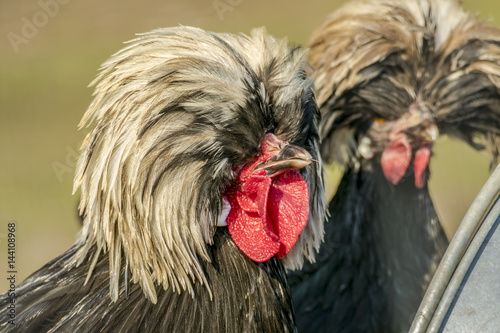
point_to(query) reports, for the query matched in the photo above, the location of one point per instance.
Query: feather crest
(383, 56)
(174, 114)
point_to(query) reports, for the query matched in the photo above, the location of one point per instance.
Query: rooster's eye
(379, 120)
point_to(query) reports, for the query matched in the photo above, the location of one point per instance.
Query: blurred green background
(43, 94)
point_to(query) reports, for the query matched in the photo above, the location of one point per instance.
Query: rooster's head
(191, 131)
(393, 75)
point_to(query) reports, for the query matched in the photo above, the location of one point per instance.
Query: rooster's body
(390, 77)
(56, 299)
(191, 131)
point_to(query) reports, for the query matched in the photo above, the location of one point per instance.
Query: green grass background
(43, 94)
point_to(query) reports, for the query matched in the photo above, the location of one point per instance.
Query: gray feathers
(174, 114)
(378, 63)
(383, 56)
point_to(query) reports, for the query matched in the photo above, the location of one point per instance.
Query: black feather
(373, 267)
(176, 115)
(247, 297)
(379, 63)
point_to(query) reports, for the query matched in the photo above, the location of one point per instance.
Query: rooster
(200, 171)
(391, 76)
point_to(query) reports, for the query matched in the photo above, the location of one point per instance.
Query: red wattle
(396, 158)
(420, 163)
(289, 208)
(267, 214)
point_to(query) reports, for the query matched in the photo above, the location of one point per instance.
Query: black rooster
(391, 76)
(190, 131)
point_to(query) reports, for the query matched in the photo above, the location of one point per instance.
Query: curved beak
(430, 132)
(289, 157)
(419, 125)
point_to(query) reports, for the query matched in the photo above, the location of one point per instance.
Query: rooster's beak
(289, 157)
(420, 125)
(430, 132)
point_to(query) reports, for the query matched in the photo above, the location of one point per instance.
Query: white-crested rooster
(200, 170)
(391, 76)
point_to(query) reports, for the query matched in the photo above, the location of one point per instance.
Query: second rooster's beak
(289, 157)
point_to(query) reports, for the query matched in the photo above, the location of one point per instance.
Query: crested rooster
(390, 77)
(200, 171)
